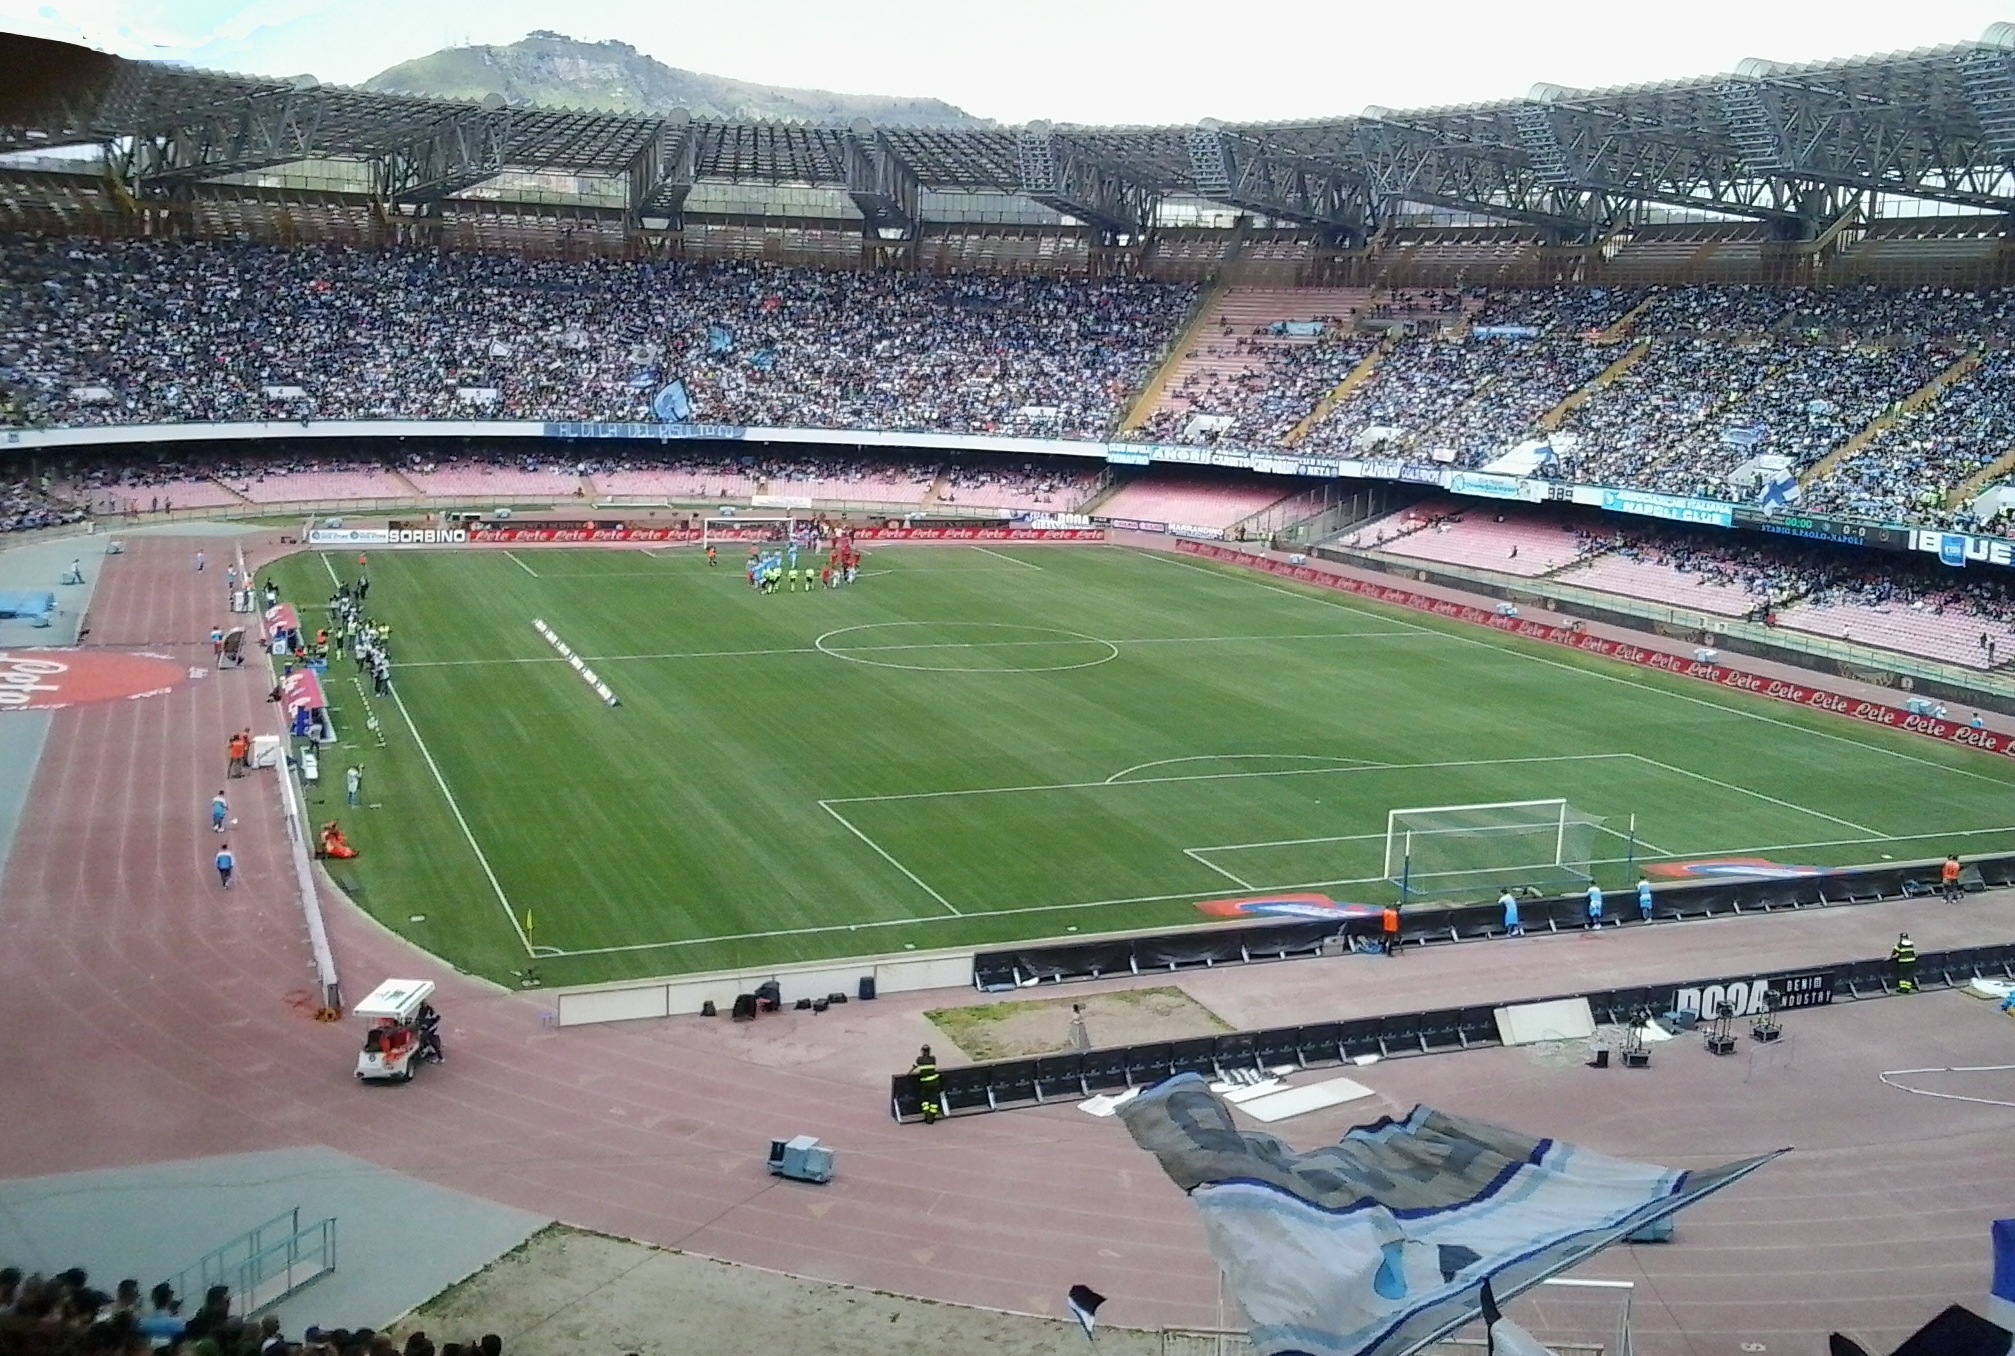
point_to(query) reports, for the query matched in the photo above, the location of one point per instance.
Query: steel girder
(883, 187)
(455, 153)
(661, 174)
(267, 127)
(1067, 177)
(1250, 172)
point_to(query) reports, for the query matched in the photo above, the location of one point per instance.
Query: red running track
(172, 1019)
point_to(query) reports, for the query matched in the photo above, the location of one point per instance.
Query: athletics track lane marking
(456, 809)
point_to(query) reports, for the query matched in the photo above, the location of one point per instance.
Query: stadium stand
(1506, 543)
(1030, 488)
(1189, 501)
(301, 487)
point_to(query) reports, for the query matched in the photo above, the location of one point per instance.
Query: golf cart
(393, 1043)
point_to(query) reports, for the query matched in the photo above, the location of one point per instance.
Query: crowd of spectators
(145, 331)
(95, 332)
(64, 1315)
(27, 503)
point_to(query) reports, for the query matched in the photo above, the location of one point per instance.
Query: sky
(1086, 61)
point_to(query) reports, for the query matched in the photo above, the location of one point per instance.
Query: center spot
(966, 647)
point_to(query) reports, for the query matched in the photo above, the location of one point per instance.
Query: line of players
(771, 569)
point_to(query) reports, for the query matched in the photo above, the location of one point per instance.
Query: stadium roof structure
(1787, 145)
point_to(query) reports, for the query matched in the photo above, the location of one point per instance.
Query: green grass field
(976, 745)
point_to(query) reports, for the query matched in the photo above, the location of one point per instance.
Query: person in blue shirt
(219, 807)
(225, 863)
(1509, 903)
(1644, 898)
(1594, 905)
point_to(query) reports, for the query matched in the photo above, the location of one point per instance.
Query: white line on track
(1009, 559)
(1596, 673)
(885, 855)
(1746, 850)
(521, 564)
(456, 810)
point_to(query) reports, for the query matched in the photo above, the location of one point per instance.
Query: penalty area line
(1009, 559)
(886, 856)
(513, 557)
(1703, 853)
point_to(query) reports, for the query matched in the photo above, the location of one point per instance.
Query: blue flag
(719, 339)
(672, 405)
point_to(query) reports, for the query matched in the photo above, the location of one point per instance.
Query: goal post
(1439, 851)
(754, 528)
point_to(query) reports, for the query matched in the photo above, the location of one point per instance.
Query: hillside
(554, 71)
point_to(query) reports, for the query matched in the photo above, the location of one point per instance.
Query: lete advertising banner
(1874, 713)
(530, 535)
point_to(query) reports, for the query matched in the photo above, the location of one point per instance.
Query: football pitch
(980, 744)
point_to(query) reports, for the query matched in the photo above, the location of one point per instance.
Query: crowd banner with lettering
(1671, 507)
(1959, 548)
(1488, 485)
(1819, 699)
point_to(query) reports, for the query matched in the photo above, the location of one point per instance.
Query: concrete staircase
(1887, 420)
(1337, 394)
(1626, 360)
(1209, 349)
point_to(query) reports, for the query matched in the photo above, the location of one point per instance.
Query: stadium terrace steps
(1981, 479)
(871, 489)
(1192, 503)
(1887, 420)
(1619, 329)
(311, 487)
(1656, 582)
(1513, 546)
(1210, 352)
(1626, 360)
(1053, 492)
(1208, 308)
(1953, 638)
(674, 485)
(181, 494)
(470, 482)
(1339, 393)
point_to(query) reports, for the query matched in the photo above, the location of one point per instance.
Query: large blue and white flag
(1379, 1244)
(1780, 491)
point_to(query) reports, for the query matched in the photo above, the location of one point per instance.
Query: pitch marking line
(1227, 776)
(513, 556)
(1789, 805)
(1119, 778)
(1196, 855)
(935, 645)
(1745, 850)
(1601, 675)
(1009, 559)
(888, 857)
(456, 809)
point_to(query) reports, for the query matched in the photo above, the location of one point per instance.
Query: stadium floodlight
(1443, 850)
(752, 528)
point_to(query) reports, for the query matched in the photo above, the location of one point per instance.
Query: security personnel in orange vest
(1948, 876)
(1388, 926)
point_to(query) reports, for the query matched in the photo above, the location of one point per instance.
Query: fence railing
(263, 1266)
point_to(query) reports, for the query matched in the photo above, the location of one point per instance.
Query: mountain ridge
(551, 70)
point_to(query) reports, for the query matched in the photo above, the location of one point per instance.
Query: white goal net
(1436, 851)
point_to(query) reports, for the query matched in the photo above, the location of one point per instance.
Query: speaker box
(1600, 1058)
(1636, 1059)
(745, 1007)
(867, 987)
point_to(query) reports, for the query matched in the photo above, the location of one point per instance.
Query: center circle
(966, 647)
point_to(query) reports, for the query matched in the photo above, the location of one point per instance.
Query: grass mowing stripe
(1592, 673)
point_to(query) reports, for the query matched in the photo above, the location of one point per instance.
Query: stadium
(1445, 595)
